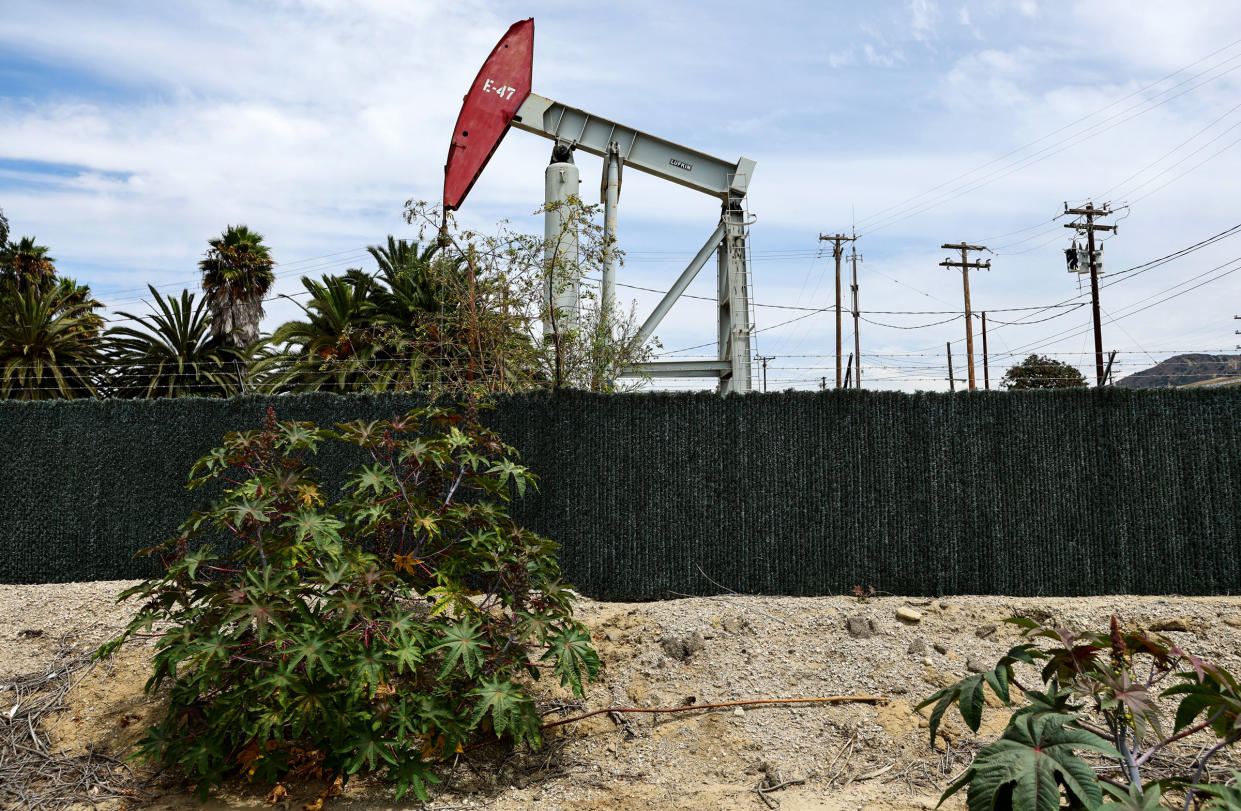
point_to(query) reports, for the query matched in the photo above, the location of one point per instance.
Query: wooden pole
(986, 376)
(1090, 212)
(1094, 301)
(837, 253)
(1107, 373)
(969, 323)
(965, 264)
(763, 360)
(952, 382)
(857, 340)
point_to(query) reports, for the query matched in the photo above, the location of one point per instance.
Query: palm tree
(25, 262)
(420, 321)
(332, 349)
(430, 307)
(237, 274)
(401, 255)
(173, 355)
(49, 341)
(412, 283)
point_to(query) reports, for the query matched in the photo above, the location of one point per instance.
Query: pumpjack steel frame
(493, 105)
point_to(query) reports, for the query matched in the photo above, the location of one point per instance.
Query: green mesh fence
(654, 495)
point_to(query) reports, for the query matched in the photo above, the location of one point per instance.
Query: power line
(877, 221)
(278, 273)
(916, 326)
(1172, 151)
(1057, 131)
(1136, 270)
(1188, 171)
(1071, 333)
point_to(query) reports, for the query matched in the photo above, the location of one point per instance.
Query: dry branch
(32, 776)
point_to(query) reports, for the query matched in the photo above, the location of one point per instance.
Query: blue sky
(132, 132)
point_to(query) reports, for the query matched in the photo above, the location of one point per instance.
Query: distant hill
(1181, 370)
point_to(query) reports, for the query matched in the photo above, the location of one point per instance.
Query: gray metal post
(611, 197)
(561, 249)
(734, 303)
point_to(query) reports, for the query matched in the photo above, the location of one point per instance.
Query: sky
(132, 132)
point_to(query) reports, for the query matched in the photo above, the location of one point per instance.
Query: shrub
(1100, 696)
(383, 632)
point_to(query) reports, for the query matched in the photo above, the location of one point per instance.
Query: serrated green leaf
(375, 478)
(444, 598)
(369, 749)
(510, 708)
(1223, 798)
(1034, 752)
(971, 703)
(1023, 653)
(997, 680)
(306, 523)
(937, 714)
(411, 772)
(574, 657)
(1132, 798)
(507, 468)
(463, 646)
(406, 651)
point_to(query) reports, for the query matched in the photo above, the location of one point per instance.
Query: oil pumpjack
(501, 98)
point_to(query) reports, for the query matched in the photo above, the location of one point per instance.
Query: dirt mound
(859, 755)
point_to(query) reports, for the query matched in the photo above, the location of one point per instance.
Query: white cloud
(838, 59)
(924, 14)
(883, 59)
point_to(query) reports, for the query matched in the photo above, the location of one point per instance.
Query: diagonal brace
(682, 282)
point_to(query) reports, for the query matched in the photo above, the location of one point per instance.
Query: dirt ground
(859, 755)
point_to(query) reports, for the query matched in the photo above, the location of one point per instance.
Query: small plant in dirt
(1107, 694)
(863, 595)
(383, 632)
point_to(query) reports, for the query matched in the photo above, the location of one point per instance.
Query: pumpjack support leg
(734, 301)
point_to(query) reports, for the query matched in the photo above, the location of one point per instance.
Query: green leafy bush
(1113, 678)
(384, 631)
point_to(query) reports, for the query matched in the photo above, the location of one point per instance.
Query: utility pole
(763, 360)
(952, 381)
(857, 340)
(1107, 374)
(965, 264)
(986, 367)
(836, 254)
(1089, 226)
(849, 369)
(823, 383)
